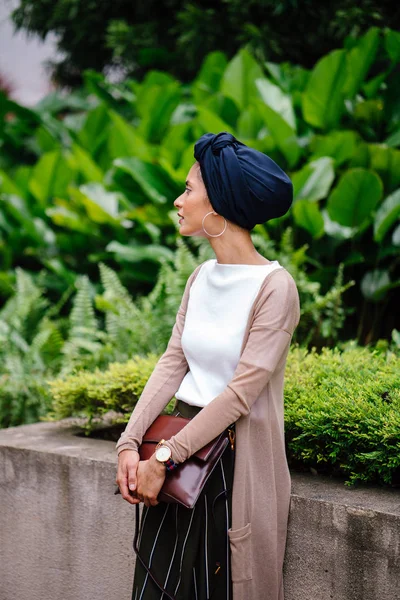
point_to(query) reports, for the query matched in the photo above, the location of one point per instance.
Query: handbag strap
(136, 549)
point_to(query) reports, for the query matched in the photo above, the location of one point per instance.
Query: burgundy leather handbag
(183, 485)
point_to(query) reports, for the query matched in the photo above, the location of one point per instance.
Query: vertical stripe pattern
(188, 549)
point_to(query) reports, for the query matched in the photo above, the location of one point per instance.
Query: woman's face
(193, 205)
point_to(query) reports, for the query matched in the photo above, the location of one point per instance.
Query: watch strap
(170, 464)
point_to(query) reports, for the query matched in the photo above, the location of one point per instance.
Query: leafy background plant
(92, 266)
(342, 407)
(106, 325)
(102, 168)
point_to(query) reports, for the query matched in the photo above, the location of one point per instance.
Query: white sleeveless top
(219, 305)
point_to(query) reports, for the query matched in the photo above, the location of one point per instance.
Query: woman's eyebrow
(188, 183)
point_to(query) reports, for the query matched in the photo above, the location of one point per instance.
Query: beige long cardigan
(254, 400)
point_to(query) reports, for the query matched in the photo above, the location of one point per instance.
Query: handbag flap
(165, 426)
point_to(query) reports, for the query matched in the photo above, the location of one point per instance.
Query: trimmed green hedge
(342, 412)
(342, 407)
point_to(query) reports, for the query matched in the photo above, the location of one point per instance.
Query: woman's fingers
(132, 482)
(126, 474)
(150, 501)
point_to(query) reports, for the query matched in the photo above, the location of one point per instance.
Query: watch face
(163, 453)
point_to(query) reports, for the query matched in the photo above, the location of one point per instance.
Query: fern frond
(82, 313)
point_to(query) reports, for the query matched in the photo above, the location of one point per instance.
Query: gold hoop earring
(211, 234)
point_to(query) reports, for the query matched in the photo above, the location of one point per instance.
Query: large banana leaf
(314, 180)
(152, 180)
(340, 145)
(387, 214)
(135, 254)
(359, 61)
(210, 122)
(209, 78)
(355, 197)
(280, 102)
(156, 103)
(84, 164)
(307, 215)
(50, 177)
(239, 79)
(392, 45)
(283, 134)
(124, 140)
(95, 131)
(323, 98)
(375, 284)
(386, 162)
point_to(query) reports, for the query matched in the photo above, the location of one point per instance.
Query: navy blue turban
(243, 185)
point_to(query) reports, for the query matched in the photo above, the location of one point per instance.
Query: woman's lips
(180, 220)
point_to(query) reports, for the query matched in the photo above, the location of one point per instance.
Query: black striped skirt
(187, 549)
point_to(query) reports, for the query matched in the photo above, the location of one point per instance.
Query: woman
(225, 364)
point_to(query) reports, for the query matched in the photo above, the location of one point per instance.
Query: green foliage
(176, 36)
(342, 407)
(342, 411)
(30, 346)
(322, 315)
(107, 325)
(99, 170)
(91, 394)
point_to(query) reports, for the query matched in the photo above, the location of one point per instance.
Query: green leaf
(7, 185)
(314, 180)
(392, 45)
(359, 61)
(239, 79)
(386, 215)
(394, 139)
(153, 181)
(134, 254)
(86, 165)
(17, 208)
(124, 140)
(375, 284)
(335, 230)
(95, 131)
(210, 122)
(249, 123)
(101, 205)
(386, 162)
(223, 107)
(64, 217)
(50, 177)
(282, 134)
(372, 87)
(209, 77)
(340, 145)
(290, 78)
(307, 215)
(396, 236)
(323, 99)
(355, 197)
(280, 102)
(156, 104)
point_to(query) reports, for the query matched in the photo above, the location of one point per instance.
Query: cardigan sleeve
(162, 383)
(275, 319)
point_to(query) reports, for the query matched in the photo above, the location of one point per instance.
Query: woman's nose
(177, 204)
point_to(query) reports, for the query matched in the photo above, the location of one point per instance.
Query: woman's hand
(150, 479)
(128, 461)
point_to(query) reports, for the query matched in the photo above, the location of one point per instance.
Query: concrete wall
(65, 536)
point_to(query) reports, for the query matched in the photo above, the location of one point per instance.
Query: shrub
(343, 412)
(342, 407)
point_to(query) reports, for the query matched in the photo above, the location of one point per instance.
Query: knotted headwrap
(243, 185)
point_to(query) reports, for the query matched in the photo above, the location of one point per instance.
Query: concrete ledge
(65, 536)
